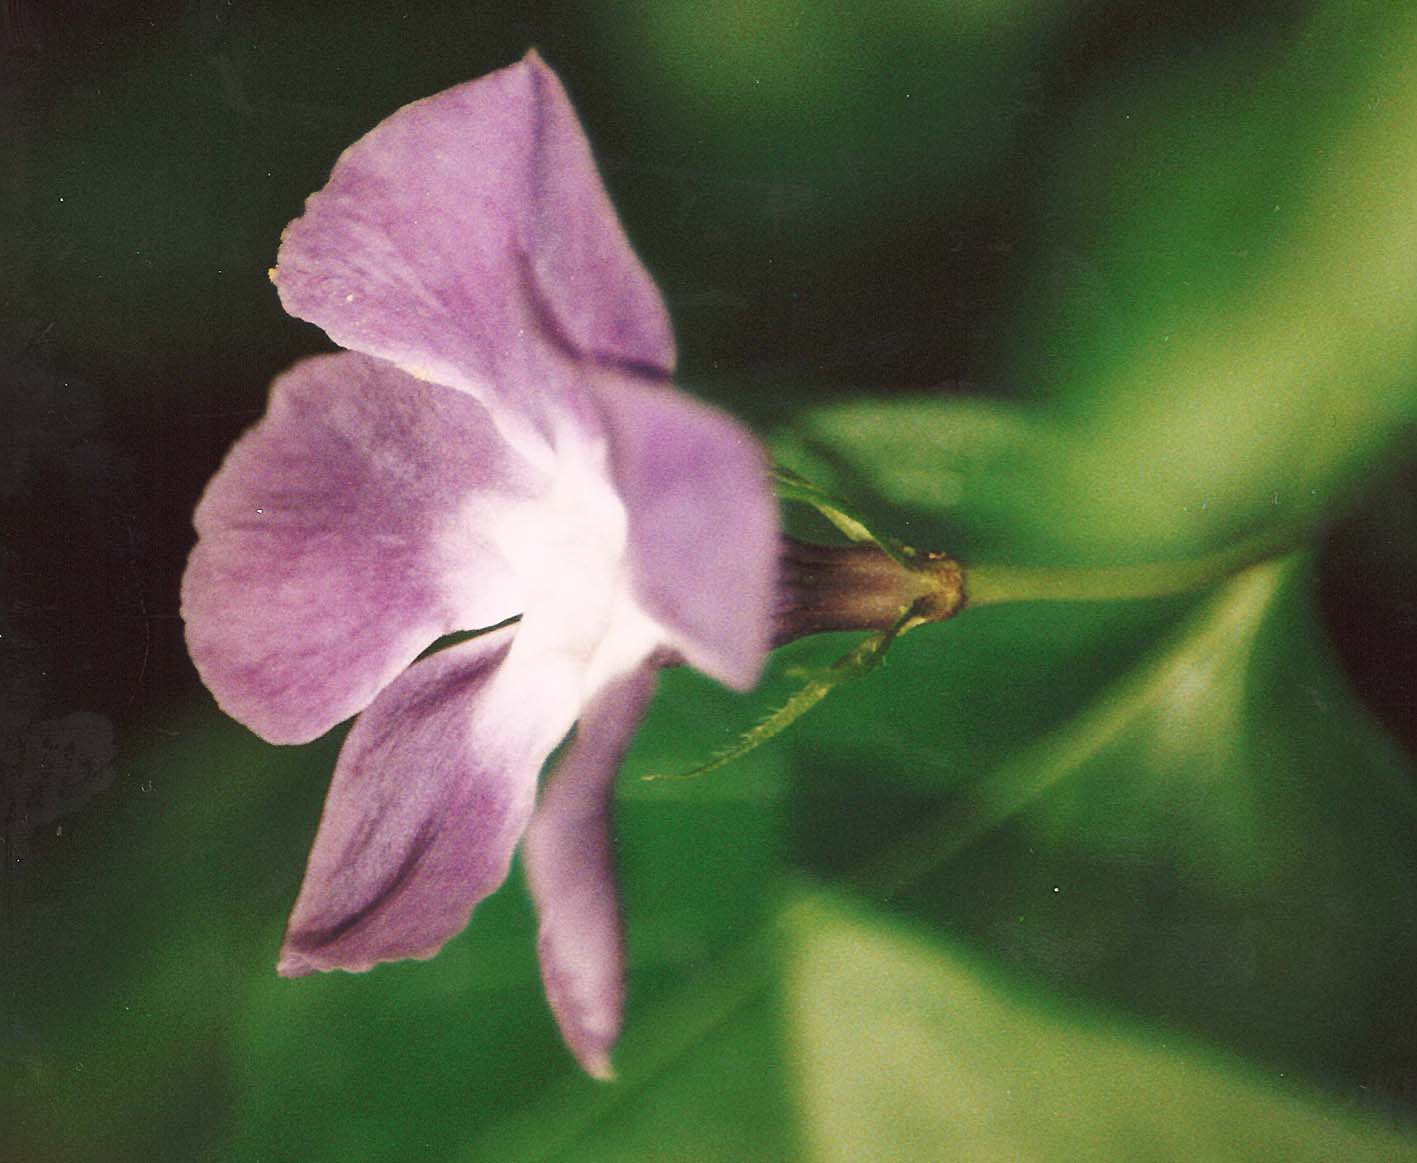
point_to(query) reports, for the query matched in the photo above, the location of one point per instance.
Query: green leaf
(1233, 341)
(951, 475)
(1230, 346)
(1216, 835)
(908, 1047)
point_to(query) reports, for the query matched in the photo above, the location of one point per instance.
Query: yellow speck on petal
(271, 274)
(349, 298)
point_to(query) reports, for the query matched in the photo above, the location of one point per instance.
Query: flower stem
(986, 585)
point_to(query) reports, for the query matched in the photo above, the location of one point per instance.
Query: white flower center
(568, 549)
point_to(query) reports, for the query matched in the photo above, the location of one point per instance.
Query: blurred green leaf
(144, 919)
(958, 475)
(1237, 343)
(1217, 391)
(905, 1047)
(1216, 834)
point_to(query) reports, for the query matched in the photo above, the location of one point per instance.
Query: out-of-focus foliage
(1241, 344)
(1118, 879)
(913, 1050)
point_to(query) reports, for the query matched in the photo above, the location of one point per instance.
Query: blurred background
(1051, 284)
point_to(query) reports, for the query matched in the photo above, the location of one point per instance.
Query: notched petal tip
(584, 980)
(599, 1067)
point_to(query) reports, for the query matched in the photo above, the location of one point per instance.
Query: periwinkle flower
(498, 440)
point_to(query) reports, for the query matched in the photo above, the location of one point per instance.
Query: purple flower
(497, 441)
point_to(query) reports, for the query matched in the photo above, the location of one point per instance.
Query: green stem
(986, 585)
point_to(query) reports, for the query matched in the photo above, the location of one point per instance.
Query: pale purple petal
(570, 869)
(466, 235)
(434, 788)
(342, 536)
(703, 524)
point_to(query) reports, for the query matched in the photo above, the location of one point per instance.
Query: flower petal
(570, 870)
(467, 230)
(703, 524)
(345, 533)
(433, 789)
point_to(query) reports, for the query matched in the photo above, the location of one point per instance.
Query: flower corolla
(497, 449)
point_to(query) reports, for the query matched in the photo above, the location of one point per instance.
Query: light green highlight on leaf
(1250, 353)
(907, 1048)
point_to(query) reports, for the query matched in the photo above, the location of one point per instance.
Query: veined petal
(703, 524)
(466, 231)
(570, 870)
(433, 789)
(344, 534)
